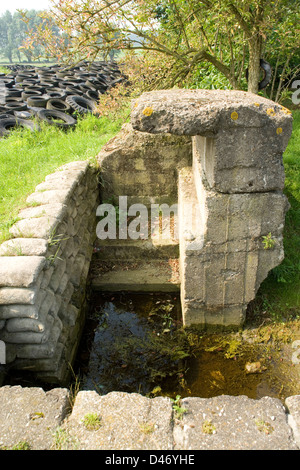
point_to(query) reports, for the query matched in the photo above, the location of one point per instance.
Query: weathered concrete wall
(43, 273)
(142, 166)
(230, 198)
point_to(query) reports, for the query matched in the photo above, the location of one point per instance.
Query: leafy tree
(14, 31)
(6, 35)
(229, 35)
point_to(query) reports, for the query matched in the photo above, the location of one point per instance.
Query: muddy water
(136, 343)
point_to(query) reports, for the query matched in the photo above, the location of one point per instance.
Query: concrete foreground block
(233, 423)
(31, 415)
(293, 405)
(126, 421)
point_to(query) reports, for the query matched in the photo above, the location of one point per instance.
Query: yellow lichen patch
(234, 115)
(286, 110)
(279, 130)
(148, 111)
(271, 111)
(257, 104)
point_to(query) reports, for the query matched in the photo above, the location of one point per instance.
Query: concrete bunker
(218, 155)
(228, 185)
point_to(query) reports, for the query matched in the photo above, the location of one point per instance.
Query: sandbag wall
(43, 273)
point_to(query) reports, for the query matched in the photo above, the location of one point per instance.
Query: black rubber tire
(8, 82)
(16, 106)
(95, 84)
(11, 123)
(13, 99)
(267, 74)
(29, 83)
(14, 93)
(5, 116)
(116, 81)
(84, 89)
(28, 124)
(92, 95)
(61, 74)
(6, 125)
(47, 114)
(58, 95)
(37, 101)
(59, 105)
(266, 67)
(72, 90)
(26, 95)
(23, 114)
(47, 85)
(34, 88)
(81, 104)
(49, 82)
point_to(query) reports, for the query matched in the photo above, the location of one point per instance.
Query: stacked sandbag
(43, 273)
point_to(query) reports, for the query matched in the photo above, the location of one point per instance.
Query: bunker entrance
(135, 342)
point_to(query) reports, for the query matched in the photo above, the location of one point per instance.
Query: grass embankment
(26, 158)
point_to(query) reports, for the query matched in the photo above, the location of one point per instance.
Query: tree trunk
(255, 49)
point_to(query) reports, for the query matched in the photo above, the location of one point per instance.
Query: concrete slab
(233, 423)
(143, 276)
(125, 422)
(293, 406)
(30, 416)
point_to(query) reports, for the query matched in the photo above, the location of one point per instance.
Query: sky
(13, 5)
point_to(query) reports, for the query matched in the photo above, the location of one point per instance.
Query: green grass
(26, 157)
(279, 294)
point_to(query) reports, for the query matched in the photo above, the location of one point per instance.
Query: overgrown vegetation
(185, 41)
(26, 157)
(13, 31)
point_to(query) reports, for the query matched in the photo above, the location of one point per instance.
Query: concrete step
(125, 250)
(139, 276)
(161, 243)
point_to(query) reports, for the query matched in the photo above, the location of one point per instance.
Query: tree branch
(240, 20)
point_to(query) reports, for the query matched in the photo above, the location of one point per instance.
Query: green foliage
(92, 421)
(268, 241)
(22, 445)
(178, 409)
(181, 37)
(207, 76)
(26, 157)
(208, 427)
(14, 31)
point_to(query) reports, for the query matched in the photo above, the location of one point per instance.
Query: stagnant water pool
(135, 342)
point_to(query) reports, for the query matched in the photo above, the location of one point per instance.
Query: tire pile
(54, 94)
